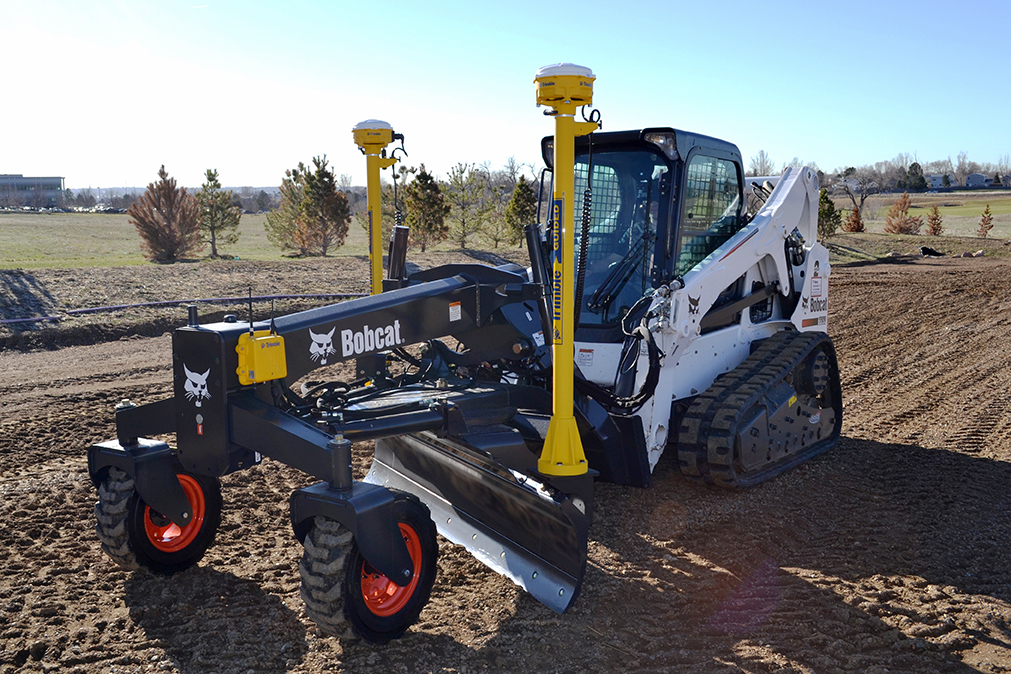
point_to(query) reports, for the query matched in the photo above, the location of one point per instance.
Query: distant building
(977, 180)
(936, 180)
(30, 191)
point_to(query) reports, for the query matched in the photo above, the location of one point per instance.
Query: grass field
(69, 240)
(960, 211)
(38, 240)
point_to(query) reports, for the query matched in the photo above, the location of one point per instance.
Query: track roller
(780, 407)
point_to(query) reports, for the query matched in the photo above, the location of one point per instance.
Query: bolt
(407, 573)
(186, 516)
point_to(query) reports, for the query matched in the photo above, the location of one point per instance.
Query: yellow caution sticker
(793, 399)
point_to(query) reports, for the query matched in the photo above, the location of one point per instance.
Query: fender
(366, 510)
(153, 468)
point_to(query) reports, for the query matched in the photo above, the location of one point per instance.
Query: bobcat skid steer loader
(688, 325)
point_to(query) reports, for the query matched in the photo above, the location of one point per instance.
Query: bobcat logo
(196, 385)
(804, 302)
(693, 304)
(322, 345)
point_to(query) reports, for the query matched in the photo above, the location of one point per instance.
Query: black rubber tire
(332, 570)
(121, 514)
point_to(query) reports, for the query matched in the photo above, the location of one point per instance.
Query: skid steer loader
(689, 324)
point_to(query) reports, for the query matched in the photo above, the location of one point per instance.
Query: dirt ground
(887, 554)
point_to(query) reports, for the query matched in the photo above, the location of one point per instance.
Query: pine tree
(985, 223)
(325, 213)
(313, 215)
(465, 191)
(934, 227)
(915, 178)
(898, 220)
(426, 210)
(521, 211)
(219, 220)
(829, 218)
(167, 219)
(262, 201)
(853, 222)
(284, 221)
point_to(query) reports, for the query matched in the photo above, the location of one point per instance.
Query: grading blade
(510, 520)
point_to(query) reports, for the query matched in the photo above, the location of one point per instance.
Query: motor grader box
(204, 363)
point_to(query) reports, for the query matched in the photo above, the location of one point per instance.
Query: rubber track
(708, 430)
(327, 547)
(111, 513)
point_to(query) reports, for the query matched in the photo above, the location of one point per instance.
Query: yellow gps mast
(372, 136)
(564, 87)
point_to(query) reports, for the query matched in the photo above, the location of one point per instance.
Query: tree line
(903, 172)
(316, 206)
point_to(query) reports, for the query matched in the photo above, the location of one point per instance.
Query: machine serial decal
(322, 345)
(196, 385)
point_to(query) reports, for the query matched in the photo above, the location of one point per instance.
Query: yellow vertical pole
(372, 136)
(564, 87)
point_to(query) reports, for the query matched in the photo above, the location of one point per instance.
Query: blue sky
(103, 93)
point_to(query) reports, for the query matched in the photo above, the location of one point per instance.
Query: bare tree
(761, 165)
(1004, 164)
(37, 197)
(966, 167)
(860, 184)
(10, 198)
(356, 199)
(512, 170)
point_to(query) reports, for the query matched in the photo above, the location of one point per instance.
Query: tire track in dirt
(928, 362)
(886, 554)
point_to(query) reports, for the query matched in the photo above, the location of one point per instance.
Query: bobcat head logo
(693, 304)
(196, 385)
(803, 302)
(322, 345)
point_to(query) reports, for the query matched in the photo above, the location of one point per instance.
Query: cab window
(710, 209)
(628, 188)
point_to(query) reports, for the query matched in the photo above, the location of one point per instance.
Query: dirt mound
(888, 554)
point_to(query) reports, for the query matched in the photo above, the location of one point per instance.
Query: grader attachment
(685, 313)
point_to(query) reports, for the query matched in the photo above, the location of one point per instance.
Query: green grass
(968, 207)
(960, 211)
(66, 240)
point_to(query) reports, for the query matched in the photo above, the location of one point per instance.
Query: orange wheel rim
(384, 597)
(170, 537)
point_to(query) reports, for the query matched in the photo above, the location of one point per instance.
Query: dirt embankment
(888, 554)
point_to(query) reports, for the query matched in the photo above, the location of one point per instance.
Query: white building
(30, 191)
(977, 180)
(936, 180)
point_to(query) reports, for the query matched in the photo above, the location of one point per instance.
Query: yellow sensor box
(261, 357)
